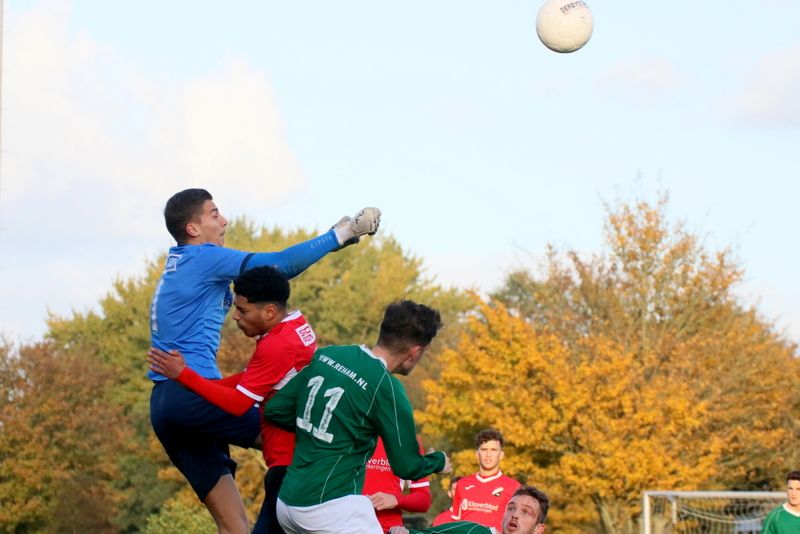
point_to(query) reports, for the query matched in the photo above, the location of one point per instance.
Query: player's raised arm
(297, 258)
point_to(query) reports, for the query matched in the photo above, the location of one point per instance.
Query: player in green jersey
(785, 519)
(339, 405)
(525, 513)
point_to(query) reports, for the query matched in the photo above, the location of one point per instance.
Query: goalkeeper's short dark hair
(263, 284)
(181, 209)
(406, 323)
(793, 475)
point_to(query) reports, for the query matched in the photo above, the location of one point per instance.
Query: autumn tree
(59, 442)
(634, 369)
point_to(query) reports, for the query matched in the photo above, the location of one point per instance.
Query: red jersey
(279, 355)
(379, 478)
(483, 499)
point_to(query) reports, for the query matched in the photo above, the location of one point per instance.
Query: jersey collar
(371, 355)
(490, 477)
(789, 510)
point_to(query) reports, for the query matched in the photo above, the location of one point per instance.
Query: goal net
(707, 512)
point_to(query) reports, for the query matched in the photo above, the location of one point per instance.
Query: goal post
(707, 512)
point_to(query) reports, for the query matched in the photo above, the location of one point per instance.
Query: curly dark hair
(263, 284)
(488, 435)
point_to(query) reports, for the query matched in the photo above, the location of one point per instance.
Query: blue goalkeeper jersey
(194, 295)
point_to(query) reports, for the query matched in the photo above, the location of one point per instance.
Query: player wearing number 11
(339, 405)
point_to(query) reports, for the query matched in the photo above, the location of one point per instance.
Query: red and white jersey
(379, 478)
(280, 354)
(483, 499)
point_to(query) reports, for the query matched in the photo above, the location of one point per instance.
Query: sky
(480, 145)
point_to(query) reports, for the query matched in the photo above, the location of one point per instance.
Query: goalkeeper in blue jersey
(186, 315)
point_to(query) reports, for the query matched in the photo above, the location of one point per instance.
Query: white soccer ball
(564, 25)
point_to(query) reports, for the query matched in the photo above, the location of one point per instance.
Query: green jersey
(339, 405)
(458, 527)
(781, 521)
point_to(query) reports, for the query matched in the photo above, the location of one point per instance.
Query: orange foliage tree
(59, 442)
(635, 369)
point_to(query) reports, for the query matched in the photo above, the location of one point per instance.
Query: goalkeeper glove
(349, 229)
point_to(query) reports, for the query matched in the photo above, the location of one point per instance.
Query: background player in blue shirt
(186, 315)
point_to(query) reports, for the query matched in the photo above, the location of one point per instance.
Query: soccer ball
(564, 25)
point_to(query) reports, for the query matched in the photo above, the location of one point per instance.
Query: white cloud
(92, 148)
(769, 96)
(644, 79)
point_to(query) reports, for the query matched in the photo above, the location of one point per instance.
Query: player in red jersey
(385, 490)
(482, 497)
(285, 344)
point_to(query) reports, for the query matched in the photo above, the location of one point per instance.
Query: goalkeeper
(186, 315)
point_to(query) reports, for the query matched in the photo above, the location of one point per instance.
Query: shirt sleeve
(295, 259)
(281, 409)
(220, 263)
(418, 500)
(230, 381)
(229, 399)
(394, 420)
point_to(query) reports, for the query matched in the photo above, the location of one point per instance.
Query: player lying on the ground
(339, 404)
(285, 344)
(525, 513)
(188, 307)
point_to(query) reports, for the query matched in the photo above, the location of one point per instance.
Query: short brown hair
(793, 475)
(490, 434)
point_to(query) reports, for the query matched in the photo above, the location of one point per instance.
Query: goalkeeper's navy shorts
(196, 434)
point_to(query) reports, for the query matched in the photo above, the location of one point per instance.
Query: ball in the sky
(564, 25)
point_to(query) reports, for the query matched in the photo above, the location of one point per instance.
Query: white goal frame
(778, 496)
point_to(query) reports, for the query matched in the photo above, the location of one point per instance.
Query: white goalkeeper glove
(349, 229)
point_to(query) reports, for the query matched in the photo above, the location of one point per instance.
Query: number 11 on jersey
(334, 395)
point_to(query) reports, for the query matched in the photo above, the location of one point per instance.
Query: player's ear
(269, 311)
(192, 229)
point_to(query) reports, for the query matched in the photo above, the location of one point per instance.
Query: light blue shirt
(194, 295)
